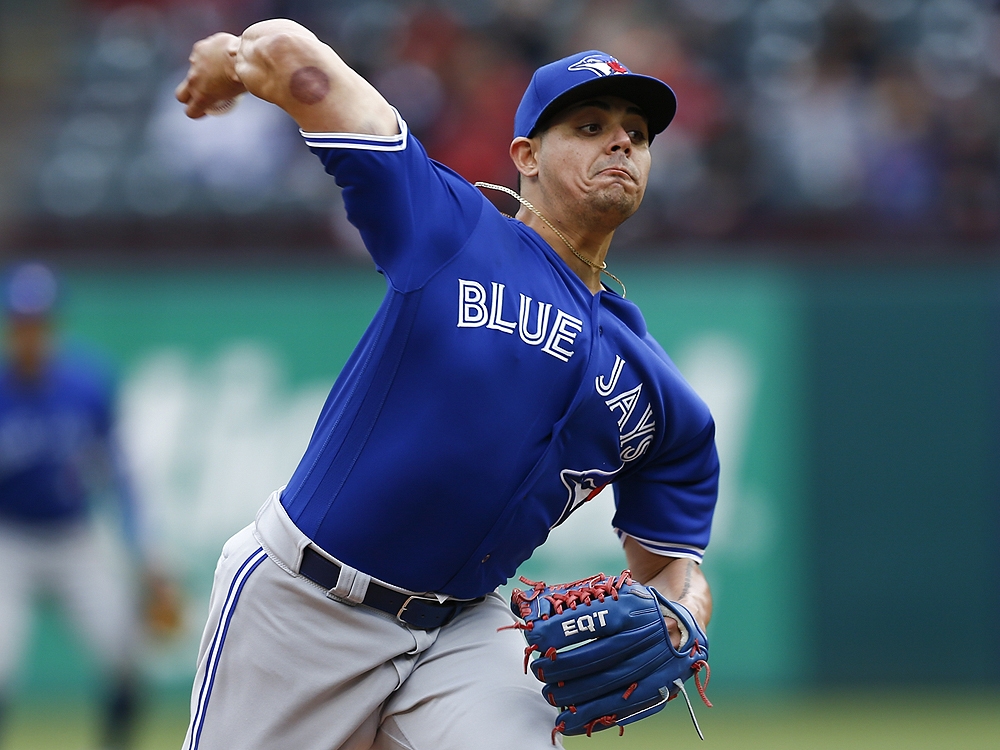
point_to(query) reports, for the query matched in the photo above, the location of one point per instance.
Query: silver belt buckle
(399, 615)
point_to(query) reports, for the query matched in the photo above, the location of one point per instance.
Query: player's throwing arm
(284, 63)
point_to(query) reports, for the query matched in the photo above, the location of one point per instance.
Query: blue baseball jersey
(54, 434)
(492, 395)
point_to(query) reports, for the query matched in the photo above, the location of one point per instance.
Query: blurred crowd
(800, 123)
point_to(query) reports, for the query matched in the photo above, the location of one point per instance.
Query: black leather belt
(424, 613)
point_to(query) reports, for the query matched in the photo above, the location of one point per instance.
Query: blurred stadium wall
(858, 429)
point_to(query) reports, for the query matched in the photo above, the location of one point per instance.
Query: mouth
(617, 172)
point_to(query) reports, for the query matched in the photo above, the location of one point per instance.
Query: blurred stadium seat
(803, 124)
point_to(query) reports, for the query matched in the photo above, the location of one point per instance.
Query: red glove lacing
(696, 668)
(571, 594)
(610, 719)
(563, 595)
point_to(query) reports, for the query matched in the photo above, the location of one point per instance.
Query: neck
(588, 268)
(592, 246)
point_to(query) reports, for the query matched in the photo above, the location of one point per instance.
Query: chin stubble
(617, 205)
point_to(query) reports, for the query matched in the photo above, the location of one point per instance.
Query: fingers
(674, 631)
(195, 108)
(206, 82)
(185, 95)
(197, 104)
(182, 93)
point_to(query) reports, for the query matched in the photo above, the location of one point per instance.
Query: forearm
(284, 63)
(679, 579)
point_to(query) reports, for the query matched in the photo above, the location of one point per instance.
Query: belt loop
(360, 587)
(352, 585)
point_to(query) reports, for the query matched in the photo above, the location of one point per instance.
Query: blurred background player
(57, 451)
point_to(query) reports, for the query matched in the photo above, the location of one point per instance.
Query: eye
(638, 136)
(591, 128)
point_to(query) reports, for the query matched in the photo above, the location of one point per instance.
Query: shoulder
(629, 314)
(643, 365)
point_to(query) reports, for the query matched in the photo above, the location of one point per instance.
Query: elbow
(270, 47)
(282, 47)
(262, 31)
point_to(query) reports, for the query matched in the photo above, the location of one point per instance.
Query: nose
(620, 141)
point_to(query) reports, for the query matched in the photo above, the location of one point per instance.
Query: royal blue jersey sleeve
(668, 504)
(667, 507)
(413, 213)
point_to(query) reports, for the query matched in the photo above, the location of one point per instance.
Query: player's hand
(212, 78)
(163, 610)
(673, 631)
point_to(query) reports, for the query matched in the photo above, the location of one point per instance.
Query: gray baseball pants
(88, 580)
(281, 665)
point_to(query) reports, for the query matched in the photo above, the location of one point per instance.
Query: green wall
(903, 394)
(858, 527)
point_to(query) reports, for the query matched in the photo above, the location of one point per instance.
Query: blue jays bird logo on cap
(602, 65)
(591, 73)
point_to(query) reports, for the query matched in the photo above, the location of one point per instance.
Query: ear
(524, 154)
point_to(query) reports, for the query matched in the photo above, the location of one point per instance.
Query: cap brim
(655, 98)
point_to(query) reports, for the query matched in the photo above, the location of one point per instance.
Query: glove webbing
(577, 592)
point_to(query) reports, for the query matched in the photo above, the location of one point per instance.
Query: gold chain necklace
(603, 267)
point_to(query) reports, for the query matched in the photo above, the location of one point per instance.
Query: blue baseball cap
(30, 290)
(592, 73)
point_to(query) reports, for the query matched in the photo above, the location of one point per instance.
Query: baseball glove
(162, 606)
(604, 653)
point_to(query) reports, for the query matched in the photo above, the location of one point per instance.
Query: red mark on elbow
(309, 85)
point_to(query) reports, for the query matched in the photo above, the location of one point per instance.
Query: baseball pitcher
(499, 387)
